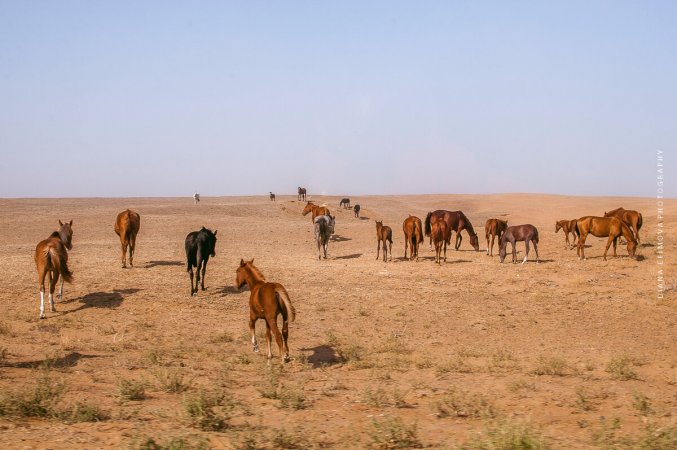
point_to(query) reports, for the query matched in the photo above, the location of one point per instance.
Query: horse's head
(475, 242)
(66, 234)
(332, 223)
(309, 207)
(241, 273)
(379, 224)
(559, 225)
(211, 240)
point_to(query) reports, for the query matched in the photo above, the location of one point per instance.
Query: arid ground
(563, 354)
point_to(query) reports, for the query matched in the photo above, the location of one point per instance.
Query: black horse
(345, 202)
(200, 245)
(356, 208)
(272, 197)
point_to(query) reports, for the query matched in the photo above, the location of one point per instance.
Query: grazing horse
(196, 198)
(51, 257)
(384, 234)
(324, 228)
(315, 210)
(356, 210)
(302, 194)
(613, 227)
(440, 235)
(632, 219)
(266, 301)
(527, 233)
(345, 203)
(413, 235)
(494, 228)
(126, 227)
(200, 245)
(456, 221)
(272, 197)
(568, 226)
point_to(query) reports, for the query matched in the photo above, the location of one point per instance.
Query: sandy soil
(575, 353)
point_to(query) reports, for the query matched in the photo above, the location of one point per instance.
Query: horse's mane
(256, 273)
(616, 210)
(468, 225)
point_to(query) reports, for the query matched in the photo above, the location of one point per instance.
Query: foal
(568, 226)
(127, 226)
(384, 234)
(51, 257)
(266, 301)
(527, 233)
(441, 236)
(356, 210)
(200, 245)
(413, 235)
(324, 228)
(494, 228)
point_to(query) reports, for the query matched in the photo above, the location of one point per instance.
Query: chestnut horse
(315, 210)
(568, 226)
(494, 228)
(384, 234)
(613, 227)
(456, 221)
(266, 301)
(302, 193)
(633, 219)
(527, 233)
(126, 227)
(440, 235)
(51, 257)
(413, 235)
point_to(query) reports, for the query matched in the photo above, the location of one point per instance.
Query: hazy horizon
(162, 99)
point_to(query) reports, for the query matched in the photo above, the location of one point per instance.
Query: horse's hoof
(52, 309)
(255, 349)
(43, 317)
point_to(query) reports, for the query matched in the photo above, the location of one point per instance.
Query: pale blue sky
(141, 98)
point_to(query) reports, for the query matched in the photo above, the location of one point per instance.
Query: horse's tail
(639, 221)
(578, 232)
(282, 295)
(535, 235)
(59, 259)
(427, 224)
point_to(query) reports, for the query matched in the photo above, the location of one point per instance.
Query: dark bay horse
(356, 210)
(456, 221)
(345, 203)
(272, 197)
(568, 226)
(315, 210)
(494, 228)
(324, 228)
(51, 258)
(200, 245)
(527, 233)
(302, 194)
(413, 235)
(613, 227)
(632, 219)
(384, 235)
(127, 227)
(440, 235)
(266, 301)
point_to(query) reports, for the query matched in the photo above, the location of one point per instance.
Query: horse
(568, 226)
(344, 203)
(126, 227)
(441, 236)
(196, 198)
(51, 257)
(613, 227)
(456, 221)
(266, 301)
(356, 210)
(527, 233)
(272, 197)
(302, 194)
(384, 234)
(632, 219)
(413, 235)
(324, 228)
(200, 245)
(494, 228)
(315, 210)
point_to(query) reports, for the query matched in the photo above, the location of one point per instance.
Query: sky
(163, 98)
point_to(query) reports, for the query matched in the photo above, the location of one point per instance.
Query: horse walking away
(413, 236)
(324, 228)
(266, 301)
(356, 210)
(345, 203)
(126, 227)
(611, 227)
(632, 219)
(568, 226)
(384, 235)
(456, 221)
(315, 210)
(494, 228)
(196, 198)
(51, 258)
(200, 245)
(527, 233)
(439, 233)
(302, 193)
(272, 197)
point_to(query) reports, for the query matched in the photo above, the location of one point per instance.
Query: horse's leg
(190, 271)
(406, 243)
(581, 246)
(41, 281)
(444, 245)
(60, 294)
(319, 252)
(285, 336)
(268, 339)
(132, 246)
(278, 339)
(491, 252)
(123, 245)
(390, 248)
(204, 269)
(326, 247)
(536, 249)
(252, 330)
(608, 244)
(615, 239)
(514, 250)
(378, 248)
(459, 238)
(54, 278)
(526, 246)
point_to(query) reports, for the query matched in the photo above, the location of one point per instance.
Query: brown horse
(51, 257)
(315, 210)
(494, 228)
(302, 194)
(384, 234)
(568, 226)
(632, 219)
(613, 227)
(266, 301)
(127, 226)
(413, 235)
(527, 233)
(440, 235)
(456, 221)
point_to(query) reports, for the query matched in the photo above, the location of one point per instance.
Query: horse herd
(268, 300)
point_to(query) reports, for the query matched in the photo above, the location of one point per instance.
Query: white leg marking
(42, 305)
(525, 260)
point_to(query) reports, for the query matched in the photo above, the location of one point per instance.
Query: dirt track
(452, 348)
